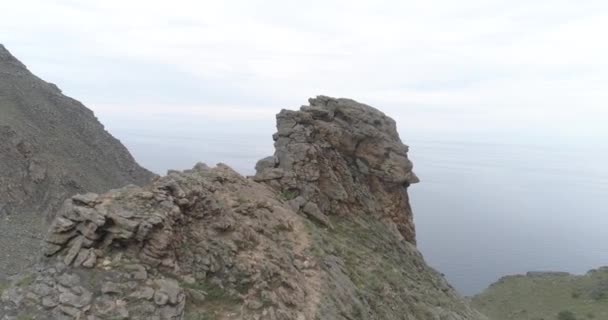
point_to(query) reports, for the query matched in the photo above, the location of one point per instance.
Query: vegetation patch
(378, 265)
(212, 292)
(3, 286)
(584, 296)
(289, 195)
(217, 301)
(566, 315)
(26, 280)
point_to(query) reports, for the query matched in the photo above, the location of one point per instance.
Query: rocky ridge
(51, 147)
(324, 230)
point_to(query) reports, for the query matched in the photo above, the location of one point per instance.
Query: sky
(436, 66)
(503, 103)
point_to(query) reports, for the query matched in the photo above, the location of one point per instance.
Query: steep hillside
(546, 295)
(323, 231)
(51, 147)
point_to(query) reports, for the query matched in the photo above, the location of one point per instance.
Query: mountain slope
(315, 234)
(51, 147)
(543, 295)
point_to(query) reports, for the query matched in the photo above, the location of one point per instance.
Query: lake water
(486, 207)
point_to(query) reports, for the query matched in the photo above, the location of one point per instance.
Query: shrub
(566, 315)
(289, 195)
(599, 291)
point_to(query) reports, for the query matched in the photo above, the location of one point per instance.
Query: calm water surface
(486, 207)
(489, 209)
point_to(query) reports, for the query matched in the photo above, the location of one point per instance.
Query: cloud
(491, 65)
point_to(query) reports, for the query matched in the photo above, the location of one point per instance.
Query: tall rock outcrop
(323, 231)
(341, 157)
(51, 147)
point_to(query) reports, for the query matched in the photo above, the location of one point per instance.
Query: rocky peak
(302, 242)
(8, 60)
(341, 157)
(5, 54)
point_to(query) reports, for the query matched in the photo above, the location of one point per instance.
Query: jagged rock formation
(340, 157)
(323, 231)
(544, 295)
(51, 147)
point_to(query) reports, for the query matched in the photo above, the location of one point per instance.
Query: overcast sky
(456, 66)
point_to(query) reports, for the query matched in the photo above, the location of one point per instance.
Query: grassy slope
(525, 297)
(378, 276)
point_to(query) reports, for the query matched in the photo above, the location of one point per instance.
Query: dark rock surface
(51, 147)
(323, 231)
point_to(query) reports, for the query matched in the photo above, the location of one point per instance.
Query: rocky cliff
(51, 147)
(323, 231)
(340, 157)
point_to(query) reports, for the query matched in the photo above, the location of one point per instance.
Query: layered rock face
(51, 147)
(323, 231)
(341, 157)
(206, 238)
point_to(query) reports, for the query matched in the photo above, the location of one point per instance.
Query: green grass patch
(212, 292)
(289, 195)
(26, 280)
(217, 301)
(3, 287)
(200, 315)
(377, 262)
(549, 297)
